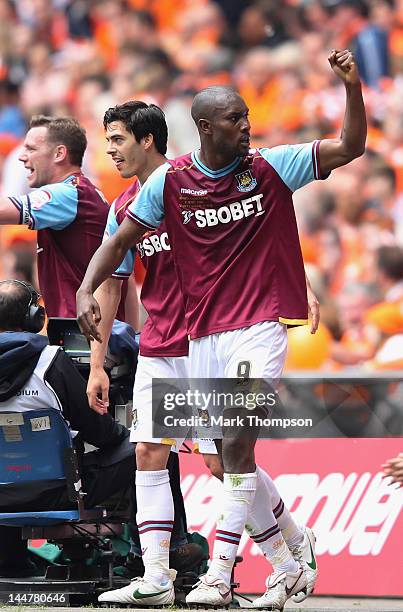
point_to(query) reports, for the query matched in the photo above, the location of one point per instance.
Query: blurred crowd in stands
(79, 57)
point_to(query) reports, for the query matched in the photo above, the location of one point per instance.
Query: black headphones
(34, 318)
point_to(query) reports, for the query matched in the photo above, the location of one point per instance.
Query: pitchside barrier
(333, 484)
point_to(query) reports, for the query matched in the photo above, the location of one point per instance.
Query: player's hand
(98, 390)
(343, 64)
(394, 469)
(314, 309)
(88, 315)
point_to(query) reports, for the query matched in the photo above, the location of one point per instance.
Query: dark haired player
(137, 141)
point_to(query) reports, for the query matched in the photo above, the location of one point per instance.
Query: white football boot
(305, 556)
(142, 592)
(210, 592)
(280, 587)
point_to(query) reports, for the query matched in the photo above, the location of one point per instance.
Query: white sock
(239, 491)
(155, 519)
(264, 530)
(292, 533)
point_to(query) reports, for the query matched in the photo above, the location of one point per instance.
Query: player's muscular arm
(108, 297)
(9, 214)
(103, 263)
(335, 153)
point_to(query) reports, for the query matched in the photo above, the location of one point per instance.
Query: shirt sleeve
(126, 267)
(297, 165)
(52, 206)
(147, 209)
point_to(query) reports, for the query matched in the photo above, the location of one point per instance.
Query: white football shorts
(141, 429)
(256, 352)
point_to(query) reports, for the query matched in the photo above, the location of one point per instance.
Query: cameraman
(27, 364)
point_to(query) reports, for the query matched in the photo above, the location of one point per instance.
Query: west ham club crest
(245, 180)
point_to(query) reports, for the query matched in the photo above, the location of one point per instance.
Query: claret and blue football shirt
(234, 235)
(70, 217)
(164, 332)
